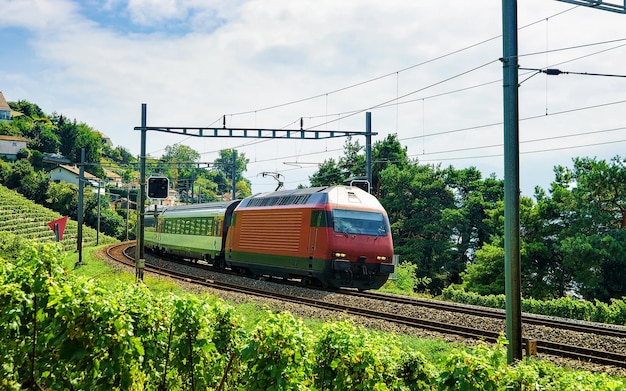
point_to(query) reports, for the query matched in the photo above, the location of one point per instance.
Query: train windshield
(359, 222)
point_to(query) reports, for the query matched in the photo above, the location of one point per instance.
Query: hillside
(23, 217)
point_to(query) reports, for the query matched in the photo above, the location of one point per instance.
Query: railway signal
(158, 187)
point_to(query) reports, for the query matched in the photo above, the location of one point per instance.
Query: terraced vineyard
(23, 217)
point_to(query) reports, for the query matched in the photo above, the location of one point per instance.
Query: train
(335, 236)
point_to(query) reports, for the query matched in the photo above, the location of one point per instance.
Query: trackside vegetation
(61, 331)
(564, 307)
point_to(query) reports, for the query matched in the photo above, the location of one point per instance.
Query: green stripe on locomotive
(265, 262)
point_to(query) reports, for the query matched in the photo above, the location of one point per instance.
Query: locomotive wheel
(346, 277)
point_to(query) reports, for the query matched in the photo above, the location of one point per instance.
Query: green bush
(406, 281)
(348, 358)
(62, 332)
(565, 307)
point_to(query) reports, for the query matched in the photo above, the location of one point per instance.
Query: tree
(592, 223)
(352, 163)
(17, 171)
(385, 153)
(572, 239)
(541, 263)
(28, 109)
(91, 141)
(328, 174)
(485, 276)
(415, 199)
(224, 167)
(67, 133)
(62, 197)
(46, 139)
(9, 129)
(180, 162)
(467, 221)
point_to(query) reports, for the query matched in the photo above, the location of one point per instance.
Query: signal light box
(158, 187)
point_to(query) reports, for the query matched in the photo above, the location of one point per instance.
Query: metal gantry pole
(127, 207)
(81, 191)
(233, 174)
(512, 265)
(141, 205)
(368, 148)
(98, 229)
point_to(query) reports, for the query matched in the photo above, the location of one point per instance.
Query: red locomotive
(337, 235)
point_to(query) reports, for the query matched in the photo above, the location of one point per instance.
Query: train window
(359, 222)
(319, 219)
(283, 200)
(209, 226)
(218, 226)
(201, 226)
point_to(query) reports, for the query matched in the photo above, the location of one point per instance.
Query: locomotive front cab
(362, 249)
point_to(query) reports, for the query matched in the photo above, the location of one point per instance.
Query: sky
(427, 71)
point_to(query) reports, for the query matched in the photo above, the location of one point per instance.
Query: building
(10, 146)
(70, 174)
(5, 109)
(113, 178)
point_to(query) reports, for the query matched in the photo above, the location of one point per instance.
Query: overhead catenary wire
(376, 78)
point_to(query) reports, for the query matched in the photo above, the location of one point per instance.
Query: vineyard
(62, 332)
(26, 219)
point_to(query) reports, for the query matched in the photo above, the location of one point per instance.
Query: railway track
(559, 349)
(596, 329)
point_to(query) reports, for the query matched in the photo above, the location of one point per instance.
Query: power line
(555, 72)
(316, 153)
(528, 141)
(394, 72)
(572, 47)
(386, 103)
(396, 101)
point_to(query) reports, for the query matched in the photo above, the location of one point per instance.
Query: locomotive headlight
(381, 258)
(340, 255)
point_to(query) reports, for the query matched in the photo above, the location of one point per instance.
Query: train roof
(199, 209)
(338, 195)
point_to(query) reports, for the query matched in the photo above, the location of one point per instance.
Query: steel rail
(597, 329)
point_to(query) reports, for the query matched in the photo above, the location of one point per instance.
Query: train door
(317, 221)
